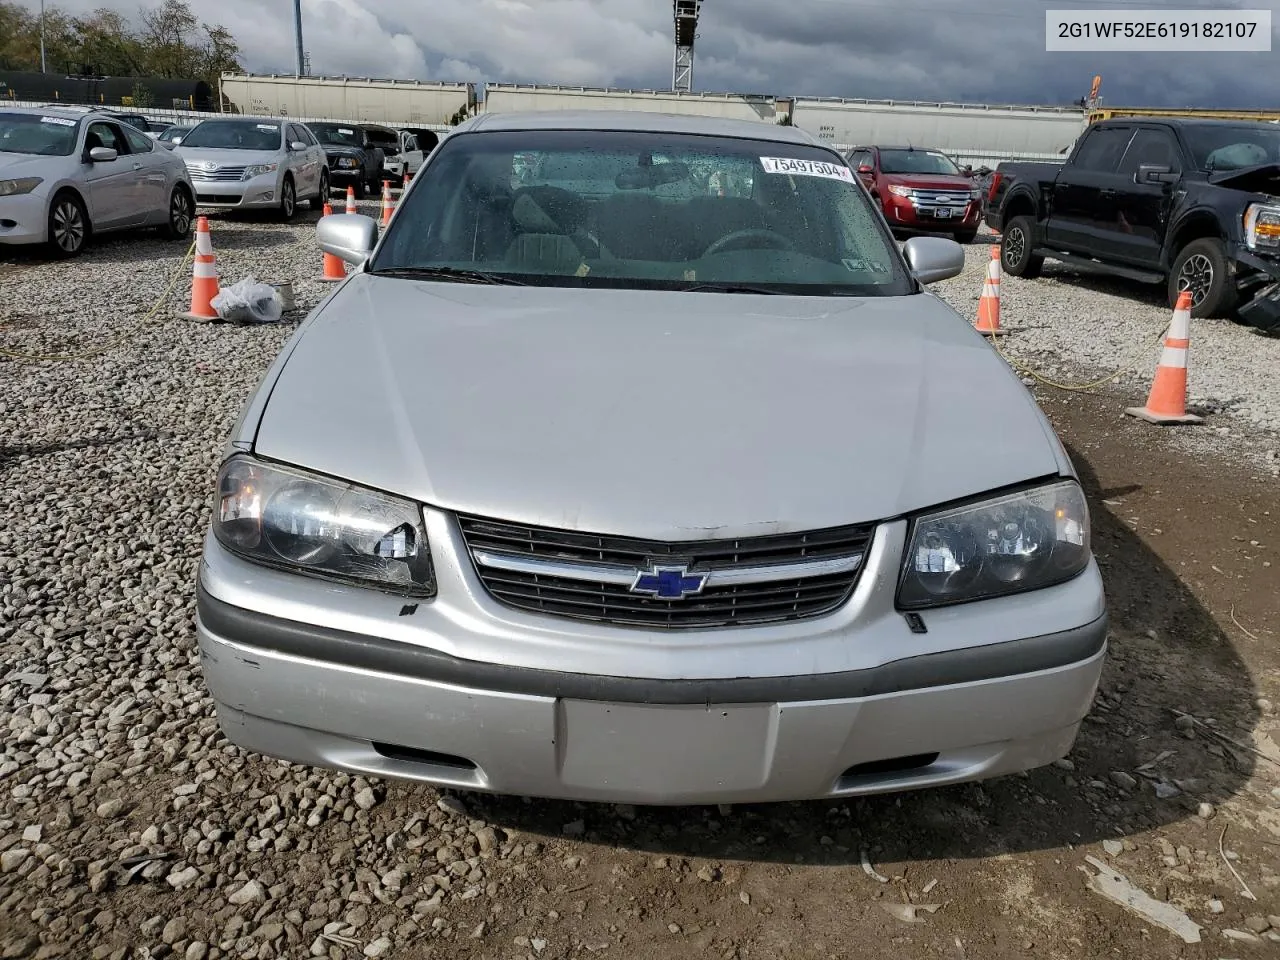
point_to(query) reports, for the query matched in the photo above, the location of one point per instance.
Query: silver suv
(255, 163)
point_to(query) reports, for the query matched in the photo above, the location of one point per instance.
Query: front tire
(1201, 267)
(288, 199)
(181, 215)
(322, 195)
(68, 226)
(1016, 257)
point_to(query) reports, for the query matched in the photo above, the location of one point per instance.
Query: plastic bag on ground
(250, 301)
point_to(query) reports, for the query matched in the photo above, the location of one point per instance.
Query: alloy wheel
(68, 226)
(1196, 276)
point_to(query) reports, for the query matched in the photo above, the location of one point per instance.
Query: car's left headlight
(258, 169)
(16, 188)
(286, 517)
(1008, 544)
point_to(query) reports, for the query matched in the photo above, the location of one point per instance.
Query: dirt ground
(1188, 553)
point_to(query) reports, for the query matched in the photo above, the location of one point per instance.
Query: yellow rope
(119, 338)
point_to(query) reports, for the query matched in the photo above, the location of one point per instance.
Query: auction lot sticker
(807, 168)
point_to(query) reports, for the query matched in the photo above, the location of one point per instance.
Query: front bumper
(257, 193)
(24, 219)
(1260, 306)
(460, 692)
(903, 214)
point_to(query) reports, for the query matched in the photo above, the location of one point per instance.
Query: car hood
(224, 157)
(667, 415)
(929, 181)
(14, 165)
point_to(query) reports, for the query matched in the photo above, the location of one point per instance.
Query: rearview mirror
(866, 171)
(933, 258)
(297, 145)
(350, 237)
(1155, 173)
(102, 155)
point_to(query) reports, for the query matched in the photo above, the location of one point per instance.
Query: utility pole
(297, 30)
(44, 67)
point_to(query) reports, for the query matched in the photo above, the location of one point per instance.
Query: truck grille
(582, 576)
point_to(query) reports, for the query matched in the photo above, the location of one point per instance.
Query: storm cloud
(986, 51)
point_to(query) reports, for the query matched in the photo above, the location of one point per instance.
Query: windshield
(644, 211)
(173, 133)
(1233, 147)
(336, 135)
(917, 161)
(234, 135)
(33, 134)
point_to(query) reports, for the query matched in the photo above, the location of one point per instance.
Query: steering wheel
(771, 238)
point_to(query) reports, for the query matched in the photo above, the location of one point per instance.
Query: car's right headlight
(258, 169)
(16, 188)
(1262, 227)
(1007, 544)
(286, 517)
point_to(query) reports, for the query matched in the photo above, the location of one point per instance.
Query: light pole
(43, 67)
(297, 30)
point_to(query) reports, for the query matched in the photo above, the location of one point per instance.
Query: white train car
(966, 131)
(354, 99)
(511, 97)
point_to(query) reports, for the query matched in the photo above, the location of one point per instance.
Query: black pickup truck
(1193, 204)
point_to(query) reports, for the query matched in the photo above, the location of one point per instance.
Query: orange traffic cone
(1167, 401)
(989, 303)
(387, 205)
(334, 269)
(204, 276)
(351, 200)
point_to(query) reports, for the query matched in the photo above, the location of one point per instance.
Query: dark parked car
(1190, 203)
(353, 158)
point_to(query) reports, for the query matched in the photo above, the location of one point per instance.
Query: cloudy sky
(983, 50)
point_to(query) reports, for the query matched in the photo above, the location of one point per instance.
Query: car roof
(61, 111)
(638, 121)
(1210, 122)
(890, 146)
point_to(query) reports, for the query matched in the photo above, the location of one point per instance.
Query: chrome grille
(582, 576)
(222, 174)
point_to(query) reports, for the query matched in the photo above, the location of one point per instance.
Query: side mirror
(102, 155)
(350, 237)
(167, 144)
(934, 258)
(866, 171)
(1155, 173)
(297, 145)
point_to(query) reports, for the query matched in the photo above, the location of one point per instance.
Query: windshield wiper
(449, 273)
(729, 288)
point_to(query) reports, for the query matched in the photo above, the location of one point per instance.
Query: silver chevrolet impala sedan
(634, 462)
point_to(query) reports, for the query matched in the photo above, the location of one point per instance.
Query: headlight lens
(1009, 544)
(1262, 227)
(286, 517)
(899, 190)
(16, 188)
(258, 169)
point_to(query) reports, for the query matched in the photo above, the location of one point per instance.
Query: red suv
(920, 190)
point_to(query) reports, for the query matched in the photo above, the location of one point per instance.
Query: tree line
(165, 41)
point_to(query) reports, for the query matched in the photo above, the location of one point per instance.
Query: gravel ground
(130, 828)
(1072, 327)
